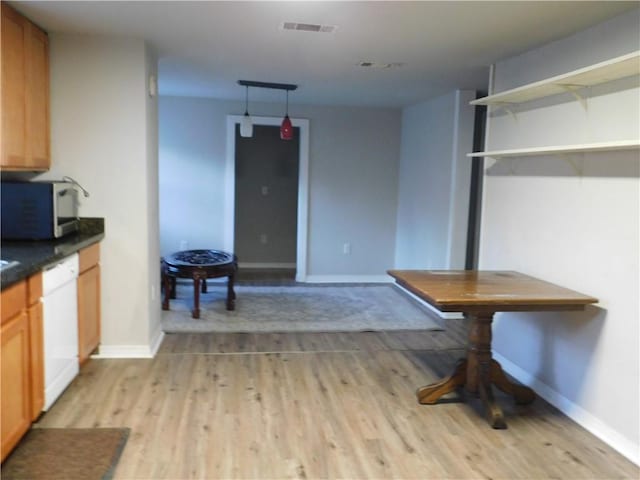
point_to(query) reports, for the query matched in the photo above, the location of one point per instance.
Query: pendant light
(286, 129)
(246, 125)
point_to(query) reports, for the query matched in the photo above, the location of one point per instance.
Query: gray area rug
(318, 308)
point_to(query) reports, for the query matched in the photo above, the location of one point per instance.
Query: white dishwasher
(60, 318)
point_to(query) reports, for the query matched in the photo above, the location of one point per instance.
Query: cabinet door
(88, 312)
(16, 401)
(14, 87)
(37, 106)
(36, 357)
(25, 94)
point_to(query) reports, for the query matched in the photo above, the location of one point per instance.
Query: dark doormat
(66, 453)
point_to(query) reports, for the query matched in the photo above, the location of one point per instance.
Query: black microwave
(38, 210)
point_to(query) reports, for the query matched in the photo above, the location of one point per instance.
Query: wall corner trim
(578, 414)
(156, 341)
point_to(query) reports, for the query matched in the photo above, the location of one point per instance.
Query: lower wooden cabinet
(88, 302)
(36, 343)
(22, 360)
(22, 344)
(16, 396)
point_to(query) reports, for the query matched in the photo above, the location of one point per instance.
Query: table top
(488, 291)
(199, 258)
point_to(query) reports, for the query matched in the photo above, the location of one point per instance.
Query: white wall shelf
(607, 71)
(560, 149)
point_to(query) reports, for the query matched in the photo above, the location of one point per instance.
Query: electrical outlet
(346, 248)
(265, 190)
(263, 238)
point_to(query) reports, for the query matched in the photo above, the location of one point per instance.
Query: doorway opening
(266, 203)
(266, 198)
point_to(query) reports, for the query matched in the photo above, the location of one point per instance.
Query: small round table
(198, 265)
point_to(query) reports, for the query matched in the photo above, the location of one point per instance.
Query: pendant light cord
(287, 112)
(246, 101)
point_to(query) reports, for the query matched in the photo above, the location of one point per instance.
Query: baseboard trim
(348, 279)
(267, 265)
(130, 351)
(578, 414)
(435, 311)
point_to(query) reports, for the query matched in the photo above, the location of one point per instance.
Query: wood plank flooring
(318, 405)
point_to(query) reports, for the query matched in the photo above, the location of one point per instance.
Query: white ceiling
(205, 47)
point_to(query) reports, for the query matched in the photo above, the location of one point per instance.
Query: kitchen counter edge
(34, 256)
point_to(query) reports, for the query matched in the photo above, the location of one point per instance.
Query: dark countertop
(35, 255)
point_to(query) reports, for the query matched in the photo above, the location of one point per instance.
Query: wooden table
(479, 295)
(198, 265)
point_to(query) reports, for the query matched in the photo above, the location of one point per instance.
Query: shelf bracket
(506, 106)
(573, 90)
(577, 168)
(509, 161)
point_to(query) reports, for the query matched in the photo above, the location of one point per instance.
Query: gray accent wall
(192, 172)
(434, 182)
(353, 181)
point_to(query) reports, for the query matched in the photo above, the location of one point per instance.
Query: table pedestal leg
(231, 294)
(477, 373)
(521, 394)
(195, 313)
(167, 290)
(492, 410)
(173, 287)
(431, 393)
(479, 367)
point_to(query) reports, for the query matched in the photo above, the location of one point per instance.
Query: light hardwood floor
(332, 405)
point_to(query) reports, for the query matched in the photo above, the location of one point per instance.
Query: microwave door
(65, 211)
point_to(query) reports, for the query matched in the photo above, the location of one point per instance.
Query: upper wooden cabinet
(24, 143)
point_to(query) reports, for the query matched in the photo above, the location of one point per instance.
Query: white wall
(579, 230)
(434, 182)
(103, 134)
(352, 181)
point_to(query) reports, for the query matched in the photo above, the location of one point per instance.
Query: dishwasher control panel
(60, 273)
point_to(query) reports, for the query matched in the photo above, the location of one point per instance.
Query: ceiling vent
(380, 65)
(309, 27)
